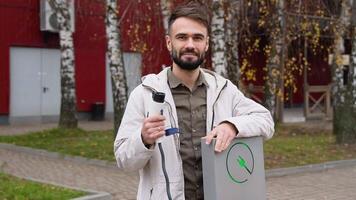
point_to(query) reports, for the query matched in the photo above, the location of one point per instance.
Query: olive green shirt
(191, 111)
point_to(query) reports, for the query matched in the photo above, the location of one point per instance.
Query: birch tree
(275, 52)
(353, 58)
(231, 41)
(218, 38)
(68, 117)
(344, 109)
(116, 63)
(165, 9)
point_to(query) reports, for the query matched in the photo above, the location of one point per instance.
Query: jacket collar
(159, 82)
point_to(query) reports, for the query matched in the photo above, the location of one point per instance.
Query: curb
(112, 165)
(91, 194)
(310, 168)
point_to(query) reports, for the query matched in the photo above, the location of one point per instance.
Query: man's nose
(190, 44)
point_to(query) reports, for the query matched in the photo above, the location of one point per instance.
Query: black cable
(165, 172)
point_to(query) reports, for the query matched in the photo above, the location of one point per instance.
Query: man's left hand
(224, 133)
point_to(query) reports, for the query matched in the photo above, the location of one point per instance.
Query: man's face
(187, 42)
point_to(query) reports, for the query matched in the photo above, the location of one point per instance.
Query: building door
(132, 62)
(34, 84)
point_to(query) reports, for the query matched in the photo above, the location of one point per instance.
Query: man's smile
(189, 55)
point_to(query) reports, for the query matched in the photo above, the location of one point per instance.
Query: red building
(29, 57)
(29, 64)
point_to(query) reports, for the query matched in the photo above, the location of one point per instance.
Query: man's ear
(207, 44)
(169, 43)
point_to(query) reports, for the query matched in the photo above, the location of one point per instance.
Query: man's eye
(180, 37)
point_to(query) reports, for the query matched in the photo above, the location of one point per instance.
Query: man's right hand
(152, 129)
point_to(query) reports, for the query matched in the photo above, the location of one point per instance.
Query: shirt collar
(174, 82)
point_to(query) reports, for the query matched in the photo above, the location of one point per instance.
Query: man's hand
(152, 129)
(224, 133)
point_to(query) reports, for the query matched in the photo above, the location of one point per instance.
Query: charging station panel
(235, 174)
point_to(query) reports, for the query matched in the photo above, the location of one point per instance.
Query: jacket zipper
(151, 191)
(212, 119)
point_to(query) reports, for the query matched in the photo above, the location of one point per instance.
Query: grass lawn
(296, 146)
(16, 188)
(90, 144)
(290, 146)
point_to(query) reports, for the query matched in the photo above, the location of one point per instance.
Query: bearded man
(200, 103)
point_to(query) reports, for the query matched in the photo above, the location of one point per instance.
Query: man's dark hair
(194, 10)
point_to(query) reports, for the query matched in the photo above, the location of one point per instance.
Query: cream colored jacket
(224, 103)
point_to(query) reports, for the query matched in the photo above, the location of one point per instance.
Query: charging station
(235, 174)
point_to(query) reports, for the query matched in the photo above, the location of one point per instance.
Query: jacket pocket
(159, 190)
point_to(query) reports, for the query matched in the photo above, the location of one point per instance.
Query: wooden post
(328, 103)
(305, 77)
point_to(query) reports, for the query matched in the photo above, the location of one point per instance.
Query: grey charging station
(235, 174)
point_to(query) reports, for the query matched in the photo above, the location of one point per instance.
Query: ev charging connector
(157, 108)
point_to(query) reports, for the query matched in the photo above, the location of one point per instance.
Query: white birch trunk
(116, 63)
(165, 9)
(339, 50)
(275, 59)
(353, 65)
(344, 110)
(68, 117)
(231, 36)
(218, 38)
(352, 75)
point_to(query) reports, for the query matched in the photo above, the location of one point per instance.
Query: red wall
(19, 22)
(141, 30)
(90, 47)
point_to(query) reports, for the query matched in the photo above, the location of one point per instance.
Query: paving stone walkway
(329, 184)
(70, 173)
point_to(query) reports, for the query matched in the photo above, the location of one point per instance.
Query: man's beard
(186, 64)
